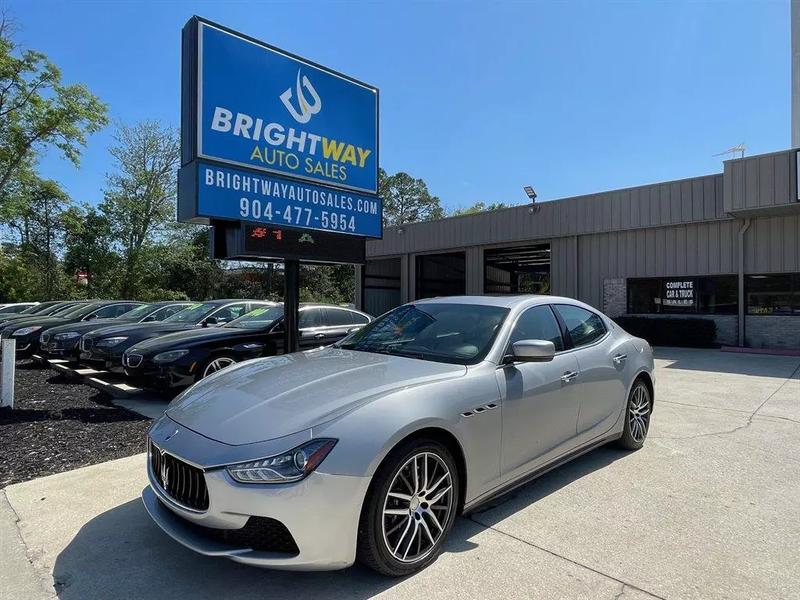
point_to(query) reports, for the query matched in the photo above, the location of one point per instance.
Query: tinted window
(109, 312)
(359, 319)
(773, 294)
(310, 317)
(167, 311)
(584, 326)
(192, 313)
(338, 317)
(453, 333)
(538, 323)
(230, 312)
(259, 318)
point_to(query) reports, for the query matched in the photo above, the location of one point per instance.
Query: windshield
(260, 318)
(191, 314)
(454, 333)
(81, 310)
(138, 312)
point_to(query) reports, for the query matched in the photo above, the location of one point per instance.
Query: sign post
(7, 373)
(278, 154)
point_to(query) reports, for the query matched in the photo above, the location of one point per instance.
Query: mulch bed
(58, 425)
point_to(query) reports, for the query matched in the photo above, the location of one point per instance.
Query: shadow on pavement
(758, 365)
(123, 554)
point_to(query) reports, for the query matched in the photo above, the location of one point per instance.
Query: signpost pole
(291, 304)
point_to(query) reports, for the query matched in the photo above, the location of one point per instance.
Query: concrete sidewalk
(710, 508)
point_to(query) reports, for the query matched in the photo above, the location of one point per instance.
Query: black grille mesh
(184, 483)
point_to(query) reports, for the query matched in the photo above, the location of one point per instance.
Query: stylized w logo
(306, 109)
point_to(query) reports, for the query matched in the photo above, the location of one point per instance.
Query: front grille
(181, 481)
(261, 534)
(133, 360)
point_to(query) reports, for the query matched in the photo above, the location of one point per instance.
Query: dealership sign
(270, 137)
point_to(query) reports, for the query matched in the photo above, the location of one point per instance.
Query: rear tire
(637, 417)
(410, 508)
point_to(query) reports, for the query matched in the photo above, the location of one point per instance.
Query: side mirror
(532, 351)
(210, 321)
(148, 319)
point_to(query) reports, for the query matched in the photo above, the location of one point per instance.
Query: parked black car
(15, 307)
(41, 310)
(103, 348)
(64, 341)
(179, 359)
(27, 331)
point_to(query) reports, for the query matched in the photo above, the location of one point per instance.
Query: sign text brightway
(264, 109)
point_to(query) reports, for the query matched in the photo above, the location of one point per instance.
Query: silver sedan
(368, 449)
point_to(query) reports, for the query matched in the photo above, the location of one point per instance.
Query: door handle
(319, 336)
(569, 376)
(620, 358)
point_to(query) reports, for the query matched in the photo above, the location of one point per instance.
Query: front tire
(214, 364)
(410, 508)
(637, 417)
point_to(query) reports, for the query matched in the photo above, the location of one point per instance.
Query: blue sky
(477, 99)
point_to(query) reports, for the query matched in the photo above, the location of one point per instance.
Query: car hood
(187, 338)
(32, 322)
(267, 398)
(141, 330)
(83, 327)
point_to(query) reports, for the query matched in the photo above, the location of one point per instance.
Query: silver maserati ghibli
(368, 449)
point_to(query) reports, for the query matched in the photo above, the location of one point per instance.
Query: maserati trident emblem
(306, 109)
(164, 473)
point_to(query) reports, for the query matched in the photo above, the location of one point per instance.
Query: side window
(583, 325)
(538, 323)
(310, 317)
(229, 313)
(359, 319)
(109, 312)
(339, 318)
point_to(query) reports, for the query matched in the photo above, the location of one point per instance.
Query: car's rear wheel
(214, 364)
(637, 416)
(410, 508)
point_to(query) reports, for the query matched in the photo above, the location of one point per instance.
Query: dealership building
(724, 247)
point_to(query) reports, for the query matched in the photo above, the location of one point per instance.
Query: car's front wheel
(214, 364)
(410, 508)
(637, 416)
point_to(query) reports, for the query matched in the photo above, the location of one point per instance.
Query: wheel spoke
(400, 496)
(434, 519)
(438, 496)
(411, 541)
(416, 476)
(403, 535)
(424, 525)
(395, 511)
(436, 485)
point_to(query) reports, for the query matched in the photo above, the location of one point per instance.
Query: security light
(531, 193)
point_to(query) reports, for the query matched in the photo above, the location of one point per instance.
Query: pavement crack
(624, 584)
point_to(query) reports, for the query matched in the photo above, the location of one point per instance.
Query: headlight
(66, 335)
(27, 330)
(284, 468)
(170, 356)
(109, 342)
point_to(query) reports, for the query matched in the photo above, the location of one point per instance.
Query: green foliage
(38, 111)
(406, 200)
(478, 207)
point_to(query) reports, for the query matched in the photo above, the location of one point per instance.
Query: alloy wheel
(217, 365)
(639, 414)
(417, 507)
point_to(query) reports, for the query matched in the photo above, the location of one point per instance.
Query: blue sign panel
(261, 108)
(244, 195)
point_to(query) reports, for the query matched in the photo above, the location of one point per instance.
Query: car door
(229, 312)
(540, 406)
(339, 322)
(311, 324)
(601, 365)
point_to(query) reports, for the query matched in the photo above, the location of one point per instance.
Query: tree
(406, 200)
(478, 207)
(88, 244)
(37, 110)
(140, 198)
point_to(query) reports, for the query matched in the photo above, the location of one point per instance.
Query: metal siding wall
(646, 206)
(772, 245)
(762, 181)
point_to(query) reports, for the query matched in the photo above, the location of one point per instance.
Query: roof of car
(503, 301)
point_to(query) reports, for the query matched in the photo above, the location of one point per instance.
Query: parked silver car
(368, 449)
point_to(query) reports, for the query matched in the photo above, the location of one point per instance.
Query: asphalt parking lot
(710, 508)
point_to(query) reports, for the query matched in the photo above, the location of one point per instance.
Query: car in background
(15, 308)
(368, 449)
(177, 360)
(27, 331)
(44, 309)
(63, 342)
(103, 348)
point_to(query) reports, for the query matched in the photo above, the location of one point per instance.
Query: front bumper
(161, 377)
(321, 513)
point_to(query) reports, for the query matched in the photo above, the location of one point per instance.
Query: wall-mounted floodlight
(530, 192)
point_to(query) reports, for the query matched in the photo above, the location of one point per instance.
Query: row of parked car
(169, 344)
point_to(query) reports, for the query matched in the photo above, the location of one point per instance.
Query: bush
(671, 331)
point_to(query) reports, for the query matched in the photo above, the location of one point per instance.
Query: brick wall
(615, 297)
(727, 326)
(772, 331)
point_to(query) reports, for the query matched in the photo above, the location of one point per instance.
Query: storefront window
(693, 295)
(777, 294)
